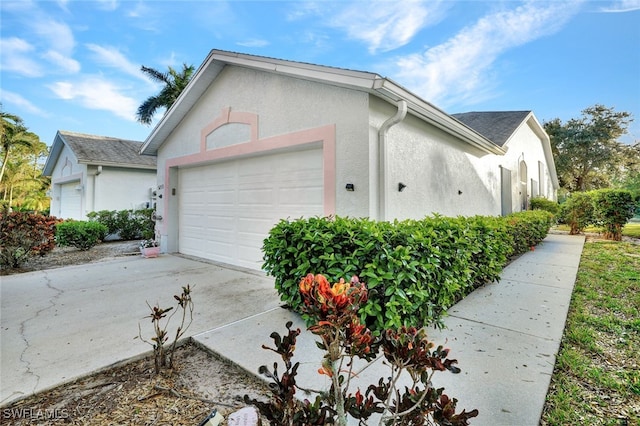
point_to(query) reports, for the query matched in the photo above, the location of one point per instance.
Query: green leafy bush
(126, 224)
(23, 235)
(80, 234)
(541, 203)
(527, 229)
(577, 212)
(415, 269)
(612, 209)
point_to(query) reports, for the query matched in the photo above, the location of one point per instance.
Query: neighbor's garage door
(227, 209)
(70, 201)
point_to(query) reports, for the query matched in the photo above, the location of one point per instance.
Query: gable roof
(99, 150)
(371, 83)
(497, 126)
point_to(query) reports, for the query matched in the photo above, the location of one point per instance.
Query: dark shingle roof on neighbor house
(99, 150)
(94, 149)
(497, 126)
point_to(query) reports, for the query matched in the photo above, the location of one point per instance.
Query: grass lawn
(631, 229)
(596, 379)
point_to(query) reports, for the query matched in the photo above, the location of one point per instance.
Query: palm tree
(174, 83)
(13, 133)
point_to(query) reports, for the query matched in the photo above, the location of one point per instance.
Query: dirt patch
(67, 256)
(132, 394)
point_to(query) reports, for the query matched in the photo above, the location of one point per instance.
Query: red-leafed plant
(343, 338)
(23, 235)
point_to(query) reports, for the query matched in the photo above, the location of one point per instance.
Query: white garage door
(70, 201)
(227, 209)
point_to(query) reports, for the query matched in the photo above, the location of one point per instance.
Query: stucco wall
(525, 145)
(66, 170)
(441, 173)
(118, 188)
(113, 189)
(285, 105)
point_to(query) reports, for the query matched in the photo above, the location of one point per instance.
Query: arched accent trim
(227, 117)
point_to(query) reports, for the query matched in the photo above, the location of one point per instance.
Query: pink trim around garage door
(325, 136)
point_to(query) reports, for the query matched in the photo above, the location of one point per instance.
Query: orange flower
(325, 370)
(306, 284)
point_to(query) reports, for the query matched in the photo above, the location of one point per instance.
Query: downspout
(382, 156)
(95, 184)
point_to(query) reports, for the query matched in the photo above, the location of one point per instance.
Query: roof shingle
(94, 149)
(497, 126)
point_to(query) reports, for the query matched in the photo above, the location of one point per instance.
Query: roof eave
(54, 154)
(370, 82)
(119, 165)
(546, 146)
(435, 116)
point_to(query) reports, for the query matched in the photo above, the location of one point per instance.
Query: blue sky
(75, 65)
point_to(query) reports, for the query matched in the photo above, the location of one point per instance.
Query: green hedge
(612, 209)
(541, 203)
(126, 224)
(415, 269)
(80, 234)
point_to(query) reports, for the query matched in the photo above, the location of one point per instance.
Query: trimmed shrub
(414, 269)
(126, 224)
(612, 209)
(23, 235)
(577, 212)
(527, 229)
(541, 203)
(80, 234)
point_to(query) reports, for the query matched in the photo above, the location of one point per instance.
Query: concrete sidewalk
(60, 324)
(505, 336)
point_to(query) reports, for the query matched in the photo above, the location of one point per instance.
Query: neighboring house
(252, 140)
(527, 169)
(92, 173)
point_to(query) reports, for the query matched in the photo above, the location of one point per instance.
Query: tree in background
(628, 176)
(22, 154)
(174, 83)
(586, 150)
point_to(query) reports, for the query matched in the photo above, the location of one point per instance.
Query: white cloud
(67, 64)
(112, 57)
(622, 6)
(108, 5)
(385, 26)
(459, 70)
(16, 55)
(50, 40)
(97, 93)
(253, 43)
(20, 102)
(56, 34)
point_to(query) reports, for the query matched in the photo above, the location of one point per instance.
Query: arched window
(524, 199)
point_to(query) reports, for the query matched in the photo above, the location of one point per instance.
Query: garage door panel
(70, 201)
(255, 197)
(233, 205)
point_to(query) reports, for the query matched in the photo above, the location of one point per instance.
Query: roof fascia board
(205, 74)
(546, 146)
(54, 155)
(118, 165)
(437, 117)
(370, 82)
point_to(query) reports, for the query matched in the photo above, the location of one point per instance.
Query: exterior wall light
(401, 186)
(350, 187)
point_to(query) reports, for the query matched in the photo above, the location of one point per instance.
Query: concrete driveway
(60, 324)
